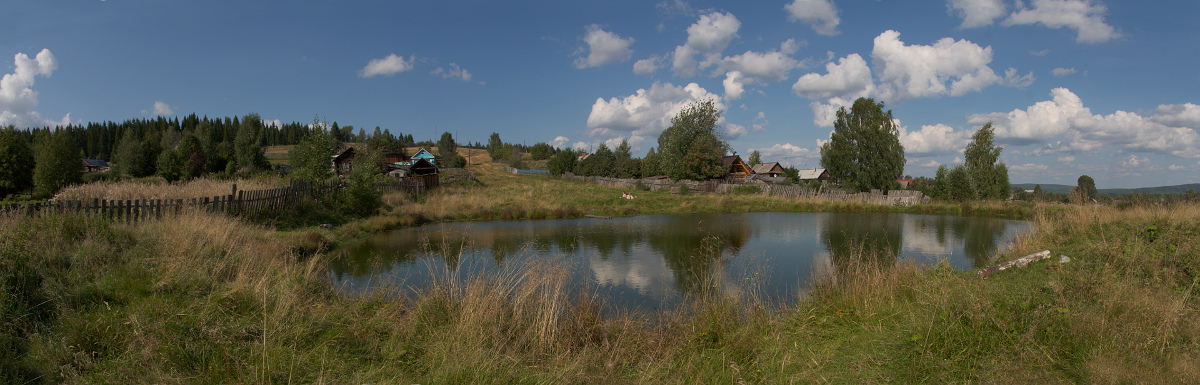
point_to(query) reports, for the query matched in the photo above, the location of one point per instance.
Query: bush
(458, 161)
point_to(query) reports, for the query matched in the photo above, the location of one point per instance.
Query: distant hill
(1064, 189)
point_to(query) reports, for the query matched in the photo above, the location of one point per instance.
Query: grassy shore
(210, 299)
(498, 195)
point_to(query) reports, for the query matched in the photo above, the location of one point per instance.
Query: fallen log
(1019, 262)
(596, 216)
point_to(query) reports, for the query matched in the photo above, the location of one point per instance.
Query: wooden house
(736, 169)
(342, 161)
(813, 174)
(395, 157)
(95, 165)
(418, 167)
(771, 170)
(423, 154)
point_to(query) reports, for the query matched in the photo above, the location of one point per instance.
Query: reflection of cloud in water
(922, 239)
(646, 275)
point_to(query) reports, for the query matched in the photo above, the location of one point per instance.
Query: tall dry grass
(196, 188)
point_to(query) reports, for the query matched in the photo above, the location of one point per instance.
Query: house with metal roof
(813, 174)
(423, 154)
(770, 170)
(95, 165)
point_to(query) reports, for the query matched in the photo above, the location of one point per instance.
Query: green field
(211, 299)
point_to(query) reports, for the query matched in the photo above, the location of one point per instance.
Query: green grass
(209, 299)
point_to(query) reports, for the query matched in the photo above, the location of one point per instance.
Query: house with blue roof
(422, 154)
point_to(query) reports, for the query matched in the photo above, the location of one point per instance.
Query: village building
(423, 154)
(770, 170)
(342, 161)
(395, 157)
(813, 174)
(736, 169)
(95, 165)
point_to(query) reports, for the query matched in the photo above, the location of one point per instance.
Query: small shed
(342, 161)
(736, 169)
(813, 174)
(95, 165)
(770, 170)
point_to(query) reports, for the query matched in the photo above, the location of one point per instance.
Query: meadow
(205, 298)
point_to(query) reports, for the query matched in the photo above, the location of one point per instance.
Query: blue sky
(1073, 87)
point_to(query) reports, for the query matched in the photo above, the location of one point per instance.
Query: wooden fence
(245, 202)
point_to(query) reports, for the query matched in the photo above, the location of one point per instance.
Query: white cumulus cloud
(1084, 16)
(734, 85)
(938, 139)
(1176, 167)
(788, 153)
(1178, 115)
(18, 100)
(765, 66)
(1135, 161)
(844, 81)
(946, 67)
(160, 108)
(757, 68)
(976, 13)
(454, 71)
(646, 113)
(603, 47)
(734, 131)
(560, 142)
(1072, 127)
(707, 38)
(848, 78)
(1066, 159)
(647, 66)
(820, 14)
(387, 66)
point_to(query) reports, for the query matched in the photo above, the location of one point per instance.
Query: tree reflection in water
(862, 240)
(678, 254)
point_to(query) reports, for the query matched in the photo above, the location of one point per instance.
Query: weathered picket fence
(240, 203)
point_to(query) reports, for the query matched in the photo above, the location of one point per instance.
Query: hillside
(1064, 189)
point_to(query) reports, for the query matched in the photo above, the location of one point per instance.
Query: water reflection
(656, 258)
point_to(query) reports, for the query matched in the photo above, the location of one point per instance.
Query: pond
(653, 260)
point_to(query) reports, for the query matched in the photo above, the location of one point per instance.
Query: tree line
(43, 160)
